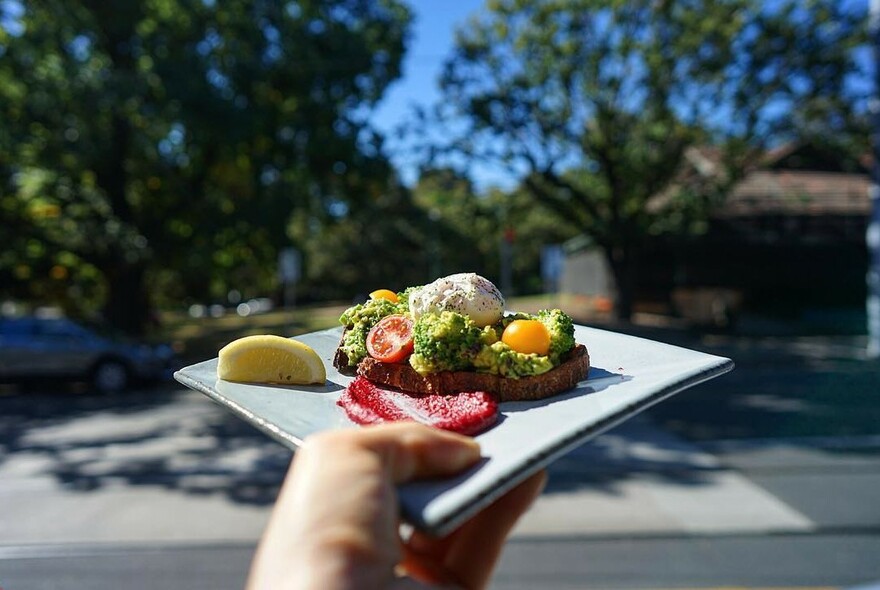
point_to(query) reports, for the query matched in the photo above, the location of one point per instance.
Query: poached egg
(465, 293)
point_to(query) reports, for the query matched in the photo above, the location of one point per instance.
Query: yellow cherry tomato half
(384, 294)
(527, 337)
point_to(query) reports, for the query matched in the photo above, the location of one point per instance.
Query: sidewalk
(637, 480)
(163, 476)
(179, 472)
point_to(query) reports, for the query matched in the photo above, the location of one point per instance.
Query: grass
(198, 339)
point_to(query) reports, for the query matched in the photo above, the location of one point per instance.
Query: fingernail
(458, 453)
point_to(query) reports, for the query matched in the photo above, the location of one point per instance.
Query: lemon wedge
(270, 359)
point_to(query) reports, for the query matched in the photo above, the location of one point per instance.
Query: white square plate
(627, 375)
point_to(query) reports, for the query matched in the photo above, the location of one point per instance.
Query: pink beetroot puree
(467, 413)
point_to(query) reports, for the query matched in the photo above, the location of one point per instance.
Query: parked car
(56, 347)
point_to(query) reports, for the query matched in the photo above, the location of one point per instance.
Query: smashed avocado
(452, 342)
(359, 319)
(445, 342)
(561, 328)
(500, 359)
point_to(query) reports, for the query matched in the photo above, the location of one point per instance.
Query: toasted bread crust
(573, 369)
(340, 361)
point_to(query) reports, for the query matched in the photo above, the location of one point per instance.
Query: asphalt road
(817, 561)
(764, 478)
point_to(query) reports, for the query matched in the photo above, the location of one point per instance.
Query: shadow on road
(163, 436)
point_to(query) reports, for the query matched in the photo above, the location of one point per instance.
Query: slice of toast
(573, 369)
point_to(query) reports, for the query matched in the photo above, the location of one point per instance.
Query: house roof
(792, 179)
(798, 192)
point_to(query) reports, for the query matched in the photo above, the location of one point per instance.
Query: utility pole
(872, 237)
(507, 238)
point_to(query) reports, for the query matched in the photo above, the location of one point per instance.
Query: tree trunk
(127, 306)
(622, 262)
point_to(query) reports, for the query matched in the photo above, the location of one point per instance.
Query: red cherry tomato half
(391, 340)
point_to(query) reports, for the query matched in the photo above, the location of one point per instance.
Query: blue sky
(432, 40)
(431, 43)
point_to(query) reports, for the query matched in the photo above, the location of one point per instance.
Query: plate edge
(264, 426)
(452, 520)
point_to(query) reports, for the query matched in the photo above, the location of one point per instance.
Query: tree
(403, 237)
(527, 227)
(462, 226)
(596, 104)
(379, 242)
(162, 147)
(473, 232)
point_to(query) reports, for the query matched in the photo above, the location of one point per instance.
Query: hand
(336, 525)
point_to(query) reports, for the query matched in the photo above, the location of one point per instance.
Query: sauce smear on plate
(468, 412)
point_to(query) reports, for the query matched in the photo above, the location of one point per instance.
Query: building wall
(585, 272)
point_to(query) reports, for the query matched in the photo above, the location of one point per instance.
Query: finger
(468, 556)
(413, 451)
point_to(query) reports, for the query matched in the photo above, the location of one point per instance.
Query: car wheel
(110, 376)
